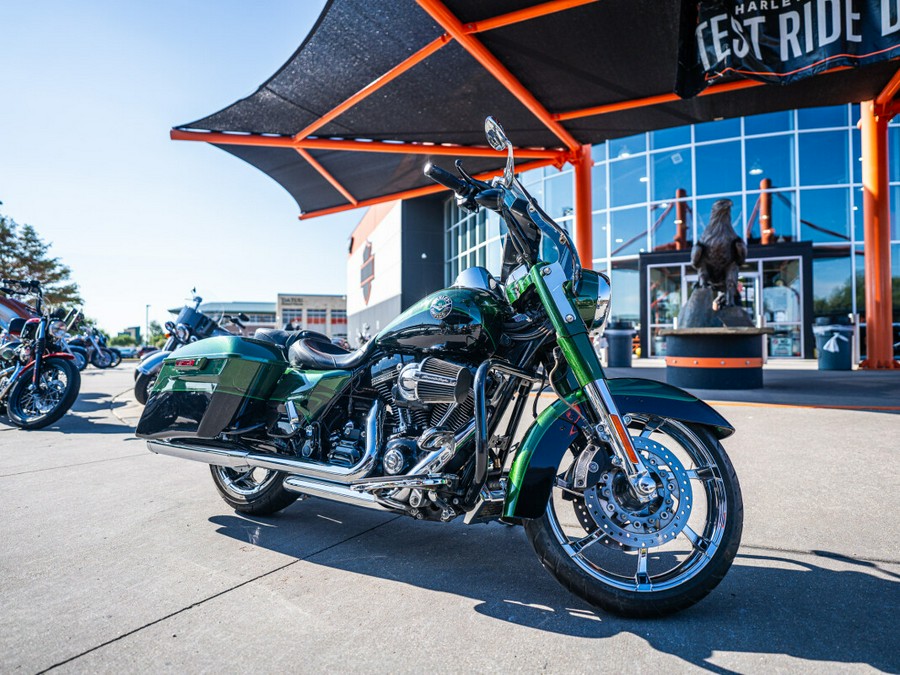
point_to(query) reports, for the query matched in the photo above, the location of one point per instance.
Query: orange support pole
(766, 231)
(524, 15)
(327, 176)
(876, 218)
(584, 237)
(680, 219)
(448, 21)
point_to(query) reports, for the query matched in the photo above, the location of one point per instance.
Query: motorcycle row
(40, 365)
(621, 484)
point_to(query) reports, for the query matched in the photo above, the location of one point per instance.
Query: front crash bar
(481, 422)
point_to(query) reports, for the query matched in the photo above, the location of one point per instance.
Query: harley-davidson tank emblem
(441, 307)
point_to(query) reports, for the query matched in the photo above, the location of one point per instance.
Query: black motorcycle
(189, 326)
(38, 382)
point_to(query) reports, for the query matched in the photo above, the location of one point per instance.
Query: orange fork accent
(445, 18)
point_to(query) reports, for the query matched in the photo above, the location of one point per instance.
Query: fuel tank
(455, 320)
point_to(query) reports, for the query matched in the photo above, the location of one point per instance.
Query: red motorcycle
(38, 384)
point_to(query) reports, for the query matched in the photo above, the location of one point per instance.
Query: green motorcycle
(622, 485)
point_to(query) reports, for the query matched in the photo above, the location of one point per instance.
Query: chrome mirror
(499, 142)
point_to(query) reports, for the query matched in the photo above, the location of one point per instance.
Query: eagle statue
(718, 255)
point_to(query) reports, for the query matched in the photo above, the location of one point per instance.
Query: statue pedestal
(715, 358)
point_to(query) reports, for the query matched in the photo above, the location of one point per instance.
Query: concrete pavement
(116, 560)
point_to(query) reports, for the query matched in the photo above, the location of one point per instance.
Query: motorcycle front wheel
(115, 357)
(100, 358)
(31, 407)
(81, 359)
(259, 492)
(644, 559)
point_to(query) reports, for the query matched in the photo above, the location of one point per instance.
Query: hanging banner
(781, 41)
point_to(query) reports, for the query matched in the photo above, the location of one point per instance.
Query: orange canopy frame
(570, 150)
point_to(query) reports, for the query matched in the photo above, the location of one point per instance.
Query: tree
(157, 336)
(122, 340)
(24, 255)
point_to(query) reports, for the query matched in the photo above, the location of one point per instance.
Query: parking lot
(117, 560)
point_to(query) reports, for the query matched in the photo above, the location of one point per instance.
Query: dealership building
(795, 182)
(292, 311)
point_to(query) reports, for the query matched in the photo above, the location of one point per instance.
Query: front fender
(152, 362)
(546, 441)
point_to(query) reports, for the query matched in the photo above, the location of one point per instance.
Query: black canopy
(571, 61)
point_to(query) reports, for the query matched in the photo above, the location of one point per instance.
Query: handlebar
(447, 179)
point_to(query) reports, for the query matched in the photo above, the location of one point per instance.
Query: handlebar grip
(445, 178)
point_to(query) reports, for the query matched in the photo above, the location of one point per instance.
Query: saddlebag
(205, 386)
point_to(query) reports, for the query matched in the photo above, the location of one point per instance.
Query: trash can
(834, 344)
(619, 335)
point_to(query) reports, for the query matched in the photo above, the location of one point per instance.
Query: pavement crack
(113, 410)
(214, 596)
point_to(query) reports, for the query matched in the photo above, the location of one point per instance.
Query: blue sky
(89, 91)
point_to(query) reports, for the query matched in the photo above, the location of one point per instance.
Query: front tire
(100, 358)
(257, 492)
(81, 359)
(646, 560)
(115, 357)
(143, 385)
(57, 390)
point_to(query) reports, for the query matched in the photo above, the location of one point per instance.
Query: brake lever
(469, 178)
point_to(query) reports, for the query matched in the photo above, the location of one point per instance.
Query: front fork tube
(606, 420)
(612, 427)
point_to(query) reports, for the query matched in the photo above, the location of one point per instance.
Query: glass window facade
(654, 192)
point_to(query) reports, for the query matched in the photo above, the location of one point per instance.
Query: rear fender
(547, 440)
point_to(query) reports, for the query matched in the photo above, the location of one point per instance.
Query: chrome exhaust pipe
(238, 458)
(333, 492)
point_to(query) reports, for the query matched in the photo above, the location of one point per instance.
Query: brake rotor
(610, 505)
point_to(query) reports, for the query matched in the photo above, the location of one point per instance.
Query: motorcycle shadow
(92, 402)
(809, 606)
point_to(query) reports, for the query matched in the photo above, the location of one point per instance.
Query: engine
(422, 395)
(422, 407)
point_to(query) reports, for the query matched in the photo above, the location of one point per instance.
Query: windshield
(547, 241)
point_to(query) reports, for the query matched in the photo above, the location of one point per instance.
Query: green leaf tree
(24, 255)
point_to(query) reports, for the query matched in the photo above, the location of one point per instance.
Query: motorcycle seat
(318, 354)
(285, 338)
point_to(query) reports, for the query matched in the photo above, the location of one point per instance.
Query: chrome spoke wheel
(649, 546)
(244, 483)
(252, 490)
(46, 396)
(649, 555)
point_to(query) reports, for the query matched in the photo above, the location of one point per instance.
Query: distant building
(322, 313)
(261, 314)
(292, 311)
(134, 332)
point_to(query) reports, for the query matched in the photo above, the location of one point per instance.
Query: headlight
(57, 329)
(7, 353)
(593, 298)
(182, 332)
(604, 296)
